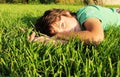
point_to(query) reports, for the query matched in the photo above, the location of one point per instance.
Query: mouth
(76, 29)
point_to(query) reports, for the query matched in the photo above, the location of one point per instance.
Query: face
(66, 24)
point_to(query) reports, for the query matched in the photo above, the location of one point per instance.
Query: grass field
(19, 58)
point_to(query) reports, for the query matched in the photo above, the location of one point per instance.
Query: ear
(52, 30)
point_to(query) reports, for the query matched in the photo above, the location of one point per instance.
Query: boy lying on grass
(87, 24)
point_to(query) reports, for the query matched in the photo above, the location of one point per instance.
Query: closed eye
(62, 25)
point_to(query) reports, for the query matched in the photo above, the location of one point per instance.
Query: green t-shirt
(107, 16)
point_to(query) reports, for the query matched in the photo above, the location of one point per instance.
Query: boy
(88, 24)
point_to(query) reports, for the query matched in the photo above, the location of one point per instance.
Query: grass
(19, 58)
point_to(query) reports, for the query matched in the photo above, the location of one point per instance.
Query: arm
(93, 33)
(45, 39)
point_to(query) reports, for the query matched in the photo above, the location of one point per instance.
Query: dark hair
(43, 24)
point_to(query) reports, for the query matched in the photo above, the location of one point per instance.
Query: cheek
(70, 24)
(73, 27)
(70, 27)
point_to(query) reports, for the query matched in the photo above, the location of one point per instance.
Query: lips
(76, 29)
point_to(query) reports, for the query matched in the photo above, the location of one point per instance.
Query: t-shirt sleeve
(107, 16)
(88, 12)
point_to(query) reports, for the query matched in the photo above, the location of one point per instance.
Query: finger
(40, 39)
(32, 36)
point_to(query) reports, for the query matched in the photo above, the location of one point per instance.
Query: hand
(45, 39)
